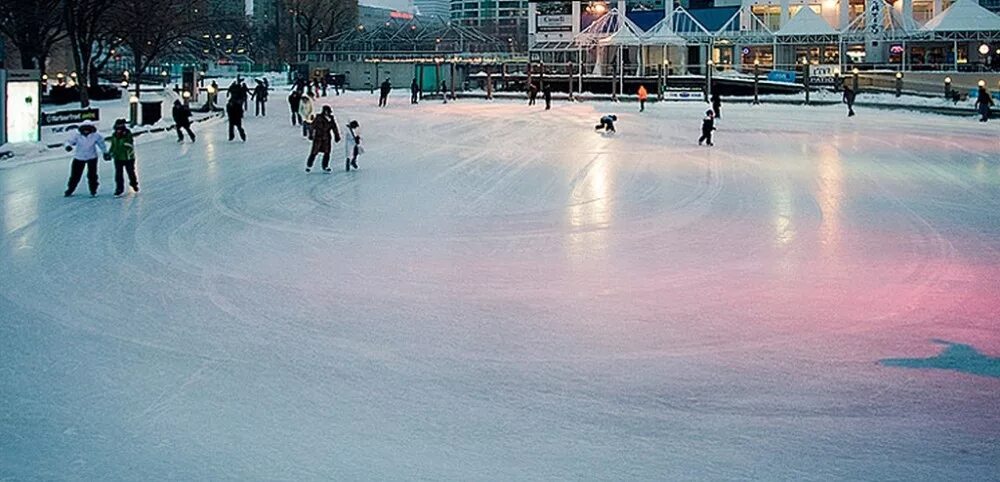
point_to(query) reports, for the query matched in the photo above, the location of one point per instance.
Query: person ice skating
(322, 126)
(707, 126)
(87, 142)
(182, 120)
(849, 96)
(532, 93)
(294, 100)
(324, 83)
(383, 92)
(643, 95)
(414, 90)
(983, 103)
(245, 95)
(444, 91)
(306, 115)
(122, 151)
(234, 111)
(717, 105)
(352, 145)
(547, 95)
(607, 123)
(259, 95)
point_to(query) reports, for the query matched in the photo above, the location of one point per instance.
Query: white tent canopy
(663, 33)
(964, 16)
(807, 22)
(613, 28)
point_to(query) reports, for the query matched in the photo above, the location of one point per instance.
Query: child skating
(352, 145)
(122, 151)
(707, 126)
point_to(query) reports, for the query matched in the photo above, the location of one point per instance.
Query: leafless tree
(33, 26)
(91, 36)
(153, 28)
(314, 20)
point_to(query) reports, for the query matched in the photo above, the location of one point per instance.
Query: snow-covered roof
(613, 28)
(807, 22)
(663, 33)
(964, 16)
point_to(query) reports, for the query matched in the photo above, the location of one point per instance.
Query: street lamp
(805, 77)
(984, 49)
(187, 97)
(947, 87)
(133, 110)
(836, 79)
(756, 79)
(899, 84)
(855, 81)
(708, 80)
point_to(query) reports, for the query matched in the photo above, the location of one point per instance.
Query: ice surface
(501, 293)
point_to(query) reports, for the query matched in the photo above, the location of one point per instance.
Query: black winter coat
(182, 116)
(235, 112)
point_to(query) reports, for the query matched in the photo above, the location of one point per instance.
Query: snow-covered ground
(500, 293)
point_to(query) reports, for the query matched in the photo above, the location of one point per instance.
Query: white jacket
(353, 138)
(306, 109)
(86, 146)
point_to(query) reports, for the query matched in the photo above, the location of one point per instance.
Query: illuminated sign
(401, 15)
(22, 106)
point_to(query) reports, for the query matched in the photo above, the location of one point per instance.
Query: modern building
(433, 8)
(372, 13)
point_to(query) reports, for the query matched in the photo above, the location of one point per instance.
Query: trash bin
(151, 111)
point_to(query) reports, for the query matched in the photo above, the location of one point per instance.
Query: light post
(836, 79)
(899, 84)
(163, 76)
(133, 110)
(947, 87)
(187, 97)
(666, 77)
(708, 80)
(855, 81)
(756, 80)
(211, 97)
(805, 77)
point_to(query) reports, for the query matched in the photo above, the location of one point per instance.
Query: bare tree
(314, 20)
(152, 28)
(90, 36)
(33, 26)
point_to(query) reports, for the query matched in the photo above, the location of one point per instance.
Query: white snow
(502, 293)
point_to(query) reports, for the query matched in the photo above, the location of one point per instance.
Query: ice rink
(500, 293)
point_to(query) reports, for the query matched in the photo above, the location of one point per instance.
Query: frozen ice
(502, 293)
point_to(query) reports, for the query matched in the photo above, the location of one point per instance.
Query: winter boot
(347, 164)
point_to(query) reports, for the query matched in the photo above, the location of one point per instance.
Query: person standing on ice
(87, 141)
(607, 123)
(643, 95)
(234, 111)
(245, 95)
(707, 126)
(532, 93)
(322, 127)
(547, 95)
(306, 114)
(383, 92)
(294, 99)
(235, 91)
(122, 151)
(259, 95)
(849, 100)
(983, 103)
(352, 145)
(414, 90)
(182, 120)
(717, 105)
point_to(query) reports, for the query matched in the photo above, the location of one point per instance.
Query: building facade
(433, 8)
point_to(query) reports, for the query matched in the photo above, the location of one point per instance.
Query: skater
(182, 120)
(235, 91)
(122, 151)
(607, 123)
(707, 126)
(306, 115)
(87, 141)
(383, 92)
(642, 98)
(532, 93)
(245, 95)
(983, 102)
(352, 145)
(414, 90)
(849, 100)
(322, 125)
(235, 113)
(316, 87)
(294, 100)
(547, 95)
(324, 83)
(717, 105)
(260, 99)
(444, 91)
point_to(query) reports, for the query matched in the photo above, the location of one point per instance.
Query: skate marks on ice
(957, 357)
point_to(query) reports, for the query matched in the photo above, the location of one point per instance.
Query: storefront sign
(781, 76)
(554, 23)
(70, 116)
(823, 74)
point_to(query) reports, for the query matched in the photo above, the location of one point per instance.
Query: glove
(336, 139)
(107, 156)
(69, 148)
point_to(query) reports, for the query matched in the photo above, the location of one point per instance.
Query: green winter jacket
(122, 148)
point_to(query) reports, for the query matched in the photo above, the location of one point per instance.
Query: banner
(822, 74)
(70, 116)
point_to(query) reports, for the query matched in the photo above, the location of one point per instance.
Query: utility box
(152, 111)
(21, 105)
